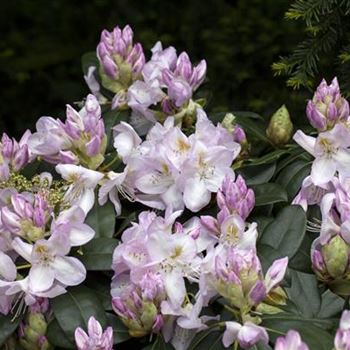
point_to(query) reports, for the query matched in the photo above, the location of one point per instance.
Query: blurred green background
(42, 43)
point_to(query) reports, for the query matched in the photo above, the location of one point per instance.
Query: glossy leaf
(210, 339)
(256, 175)
(269, 193)
(286, 233)
(74, 309)
(304, 293)
(311, 332)
(7, 327)
(102, 219)
(57, 337)
(292, 176)
(97, 254)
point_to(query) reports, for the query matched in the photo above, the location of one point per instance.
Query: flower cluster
(159, 257)
(190, 263)
(169, 168)
(38, 230)
(161, 87)
(81, 139)
(328, 185)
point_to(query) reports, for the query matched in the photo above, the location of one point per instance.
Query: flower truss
(141, 220)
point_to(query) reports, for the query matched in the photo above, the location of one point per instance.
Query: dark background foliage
(42, 43)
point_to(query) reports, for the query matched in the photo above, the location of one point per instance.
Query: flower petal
(68, 270)
(323, 170)
(231, 333)
(196, 195)
(41, 278)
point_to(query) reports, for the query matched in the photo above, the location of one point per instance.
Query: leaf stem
(26, 266)
(274, 331)
(105, 167)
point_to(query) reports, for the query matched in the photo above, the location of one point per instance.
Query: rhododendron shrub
(142, 220)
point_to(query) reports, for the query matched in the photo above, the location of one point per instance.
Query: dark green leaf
(331, 305)
(259, 174)
(262, 222)
(268, 158)
(120, 332)
(101, 284)
(7, 327)
(301, 261)
(310, 329)
(102, 219)
(209, 339)
(304, 293)
(269, 193)
(286, 233)
(292, 176)
(57, 337)
(159, 344)
(97, 254)
(74, 309)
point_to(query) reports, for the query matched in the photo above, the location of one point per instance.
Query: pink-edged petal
(231, 333)
(94, 328)
(80, 235)
(41, 278)
(275, 273)
(323, 170)
(305, 141)
(342, 157)
(81, 339)
(22, 248)
(8, 269)
(87, 200)
(345, 320)
(196, 195)
(175, 287)
(250, 334)
(154, 183)
(68, 270)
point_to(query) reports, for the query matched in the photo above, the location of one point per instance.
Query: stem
(105, 167)
(26, 266)
(274, 331)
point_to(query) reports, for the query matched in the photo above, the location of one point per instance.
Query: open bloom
(331, 153)
(171, 169)
(50, 263)
(247, 335)
(81, 185)
(95, 338)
